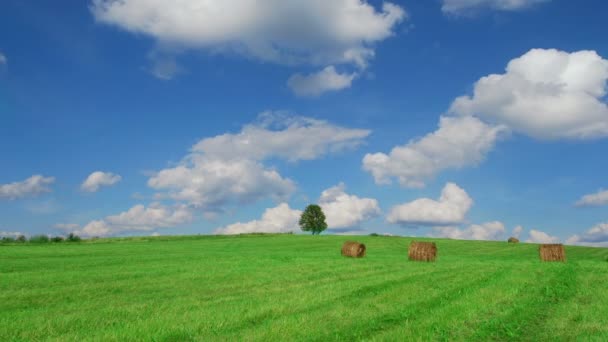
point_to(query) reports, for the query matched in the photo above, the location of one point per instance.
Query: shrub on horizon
(73, 238)
(39, 239)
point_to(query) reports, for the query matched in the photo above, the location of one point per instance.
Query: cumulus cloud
(595, 236)
(459, 7)
(31, 187)
(450, 209)
(278, 135)
(211, 183)
(10, 234)
(280, 219)
(536, 236)
(546, 94)
(320, 82)
(343, 210)
(228, 168)
(494, 230)
(137, 219)
(98, 179)
(596, 199)
(458, 142)
(517, 231)
(314, 32)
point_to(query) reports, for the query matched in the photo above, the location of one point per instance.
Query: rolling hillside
(296, 287)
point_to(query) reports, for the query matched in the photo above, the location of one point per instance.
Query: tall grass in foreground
(294, 287)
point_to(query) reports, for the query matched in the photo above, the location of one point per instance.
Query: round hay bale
(353, 249)
(513, 240)
(422, 251)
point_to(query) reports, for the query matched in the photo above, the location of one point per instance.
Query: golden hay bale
(353, 249)
(552, 252)
(513, 240)
(422, 251)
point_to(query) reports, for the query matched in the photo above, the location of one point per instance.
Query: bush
(39, 239)
(21, 238)
(374, 234)
(57, 239)
(73, 238)
(7, 239)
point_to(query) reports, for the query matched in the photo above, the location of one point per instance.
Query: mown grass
(294, 287)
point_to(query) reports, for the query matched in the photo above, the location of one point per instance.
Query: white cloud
(320, 82)
(3, 59)
(33, 186)
(313, 32)
(138, 218)
(466, 6)
(494, 230)
(211, 183)
(459, 142)
(596, 199)
(280, 219)
(546, 94)
(164, 67)
(98, 179)
(517, 231)
(595, 236)
(451, 208)
(228, 168)
(10, 234)
(536, 236)
(282, 136)
(343, 210)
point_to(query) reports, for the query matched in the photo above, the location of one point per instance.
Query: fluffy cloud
(280, 219)
(138, 218)
(343, 210)
(10, 234)
(486, 231)
(596, 236)
(458, 142)
(536, 236)
(546, 94)
(33, 186)
(277, 135)
(98, 179)
(450, 209)
(315, 32)
(517, 231)
(228, 168)
(466, 6)
(211, 183)
(320, 82)
(596, 199)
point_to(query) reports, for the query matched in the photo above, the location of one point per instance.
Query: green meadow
(298, 287)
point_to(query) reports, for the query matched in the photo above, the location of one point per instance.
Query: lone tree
(313, 220)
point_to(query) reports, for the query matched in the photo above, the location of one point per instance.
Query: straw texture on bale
(353, 249)
(552, 252)
(422, 251)
(513, 240)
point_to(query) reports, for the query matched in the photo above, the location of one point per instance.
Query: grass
(294, 287)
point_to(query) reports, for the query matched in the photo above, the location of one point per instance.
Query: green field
(295, 287)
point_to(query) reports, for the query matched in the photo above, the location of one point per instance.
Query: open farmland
(295, 287)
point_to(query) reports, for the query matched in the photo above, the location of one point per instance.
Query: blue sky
(136, 117)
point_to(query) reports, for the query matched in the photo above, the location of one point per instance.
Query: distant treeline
(40, 239)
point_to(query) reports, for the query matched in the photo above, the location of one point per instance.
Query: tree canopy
(313, 220)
